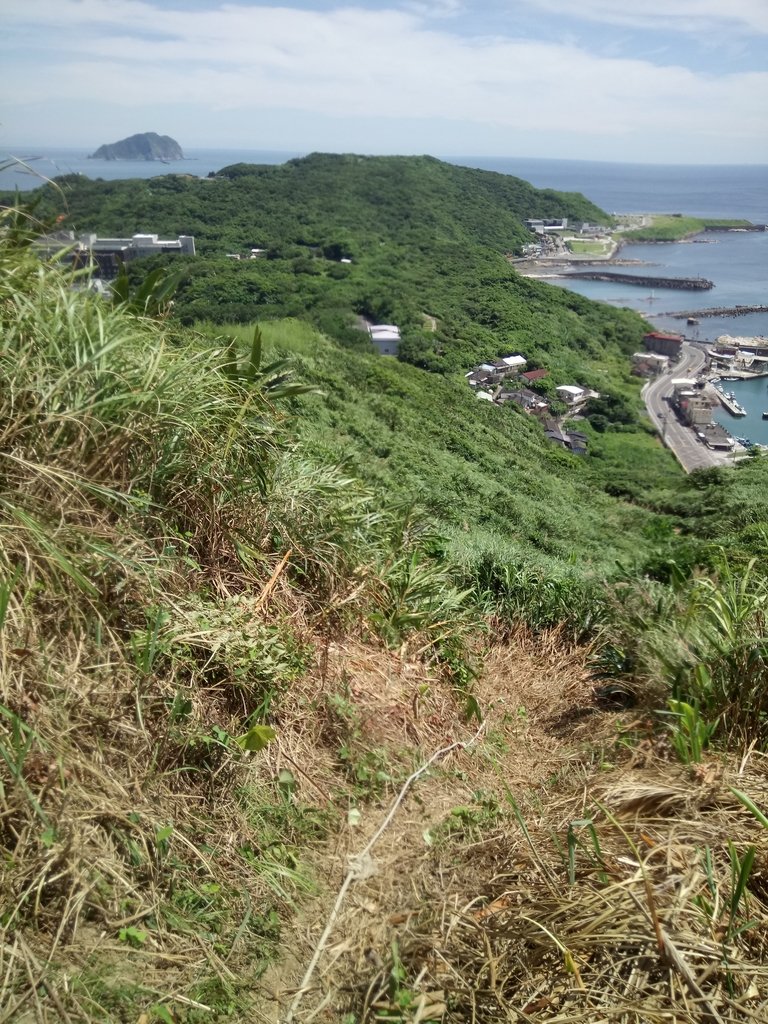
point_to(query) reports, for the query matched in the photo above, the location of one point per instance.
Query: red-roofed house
(532, 375)
(665, 344)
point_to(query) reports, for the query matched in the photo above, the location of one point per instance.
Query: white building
(541, 227)
(385, 338)
(516, 362)
(572, 394)
(138, 245)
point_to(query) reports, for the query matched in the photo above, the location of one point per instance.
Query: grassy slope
(487, 474)
(170, 570)
(150, 613)
(668, 228)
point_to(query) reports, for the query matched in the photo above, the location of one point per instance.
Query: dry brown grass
(493, 923)
(105, 911)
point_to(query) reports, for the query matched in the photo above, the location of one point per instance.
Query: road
(690, 452)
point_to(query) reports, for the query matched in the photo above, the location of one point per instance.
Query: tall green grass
(701, 640)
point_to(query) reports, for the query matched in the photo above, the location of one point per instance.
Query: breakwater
(688, 284)
(716, 311)
(743, 227)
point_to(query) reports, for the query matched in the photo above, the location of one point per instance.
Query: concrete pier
(689, 284)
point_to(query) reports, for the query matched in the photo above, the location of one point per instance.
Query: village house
(515, 362)
(533, 375)
(665, 344)
(692, 404)
(715, 437)
(528, 401)
(495, 372)
(479, 378)
(649, 364)
(571, 440)
(571, 394)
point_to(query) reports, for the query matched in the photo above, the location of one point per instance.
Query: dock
(730, 404)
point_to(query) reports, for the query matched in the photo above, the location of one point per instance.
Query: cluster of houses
(691, 400)
(505, 380)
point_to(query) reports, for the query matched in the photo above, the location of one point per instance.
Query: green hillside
(427, 243)
(424, 237)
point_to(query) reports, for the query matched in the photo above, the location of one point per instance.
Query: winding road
(690, 452)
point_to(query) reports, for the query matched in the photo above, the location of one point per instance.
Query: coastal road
(690, 452)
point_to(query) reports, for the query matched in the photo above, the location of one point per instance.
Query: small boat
(765, 415)
(692, 320)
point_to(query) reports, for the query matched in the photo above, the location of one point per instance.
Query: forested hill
(309, 200)
(423, 243)
(403, 197)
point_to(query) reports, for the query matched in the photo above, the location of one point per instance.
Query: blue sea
(736, 262)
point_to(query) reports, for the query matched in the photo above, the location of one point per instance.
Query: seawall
(689, 284)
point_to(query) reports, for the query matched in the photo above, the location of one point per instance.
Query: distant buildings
(742, 351)
(692, 404)
(492, 373)
(572, 440)
(527, 400)
(542, 227)
(571, 394)
(109, 254)
(493, 382)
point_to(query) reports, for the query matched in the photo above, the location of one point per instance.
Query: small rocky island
(144, 146)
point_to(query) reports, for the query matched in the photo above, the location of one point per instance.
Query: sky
(650, 81)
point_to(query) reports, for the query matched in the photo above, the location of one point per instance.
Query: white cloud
(353, 62)
(689, 16)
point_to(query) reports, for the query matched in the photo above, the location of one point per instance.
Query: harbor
(751, 396)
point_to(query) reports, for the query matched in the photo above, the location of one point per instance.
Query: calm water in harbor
(737, 263)
(753, 395)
